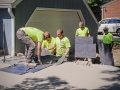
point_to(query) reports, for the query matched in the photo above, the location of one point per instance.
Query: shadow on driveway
(115, 86)
(50, 83)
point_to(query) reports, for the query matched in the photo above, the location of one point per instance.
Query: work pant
(29, 45)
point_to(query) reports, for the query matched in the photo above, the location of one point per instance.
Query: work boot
(30, 64)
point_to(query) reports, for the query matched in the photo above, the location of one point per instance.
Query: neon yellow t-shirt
(82, 32)
(34, 33)
(47, 44)
(61, 45)
(107, 38)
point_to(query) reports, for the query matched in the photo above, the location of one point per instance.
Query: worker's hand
(89, 36)
(40, 62)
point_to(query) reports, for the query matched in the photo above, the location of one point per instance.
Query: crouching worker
(49, 41)
(108, 38)
(62, 44)
(29, 36)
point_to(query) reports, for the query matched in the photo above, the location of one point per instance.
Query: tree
(94, 3)
(97, 3)
(95, 7)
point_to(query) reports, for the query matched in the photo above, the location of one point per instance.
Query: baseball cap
(105, 28)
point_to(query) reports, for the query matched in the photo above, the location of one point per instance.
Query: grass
(117, 42)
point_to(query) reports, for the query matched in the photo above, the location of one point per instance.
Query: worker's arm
(67, 50)
(76, 33)
(51, 47)
(39, 51)
(88, 34)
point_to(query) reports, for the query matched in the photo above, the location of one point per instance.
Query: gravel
(116, 55)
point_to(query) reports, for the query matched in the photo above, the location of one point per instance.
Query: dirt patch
(116, 54)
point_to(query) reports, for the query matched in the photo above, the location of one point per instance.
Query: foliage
(117, 42)
(94, 3)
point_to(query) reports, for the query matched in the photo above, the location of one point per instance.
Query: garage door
(52, 19)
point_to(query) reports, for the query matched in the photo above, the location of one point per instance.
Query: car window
(118, 21)
(113, 21)
(104, 21)
(110, 21)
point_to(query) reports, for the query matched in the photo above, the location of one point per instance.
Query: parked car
(112, 23)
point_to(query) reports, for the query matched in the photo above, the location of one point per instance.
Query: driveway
(67, 76)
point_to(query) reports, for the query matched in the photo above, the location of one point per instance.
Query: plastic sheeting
(106, 56)
(21, 69)
(16, 69)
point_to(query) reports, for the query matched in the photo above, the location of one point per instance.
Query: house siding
(26, 8)
(112, 10)
(6, 19)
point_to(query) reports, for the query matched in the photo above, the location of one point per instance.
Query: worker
(29, 36)
(82, 31)
(62, 44)
(49, 42)
(107, 38)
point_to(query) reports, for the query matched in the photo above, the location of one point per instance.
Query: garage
(46, 15)
(53, 19)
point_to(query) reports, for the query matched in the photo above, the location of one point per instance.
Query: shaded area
(13, 60)
(106, 55)
(4, 18)
(49, 83)
(115, 86)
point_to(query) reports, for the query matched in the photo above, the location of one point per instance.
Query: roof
(7, 1)
(112, 18)
(108, 3)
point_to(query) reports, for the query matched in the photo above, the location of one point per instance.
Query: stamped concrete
(67, 76)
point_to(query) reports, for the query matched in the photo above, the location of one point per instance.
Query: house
(111, 9)
(7, 23)
(47, 15)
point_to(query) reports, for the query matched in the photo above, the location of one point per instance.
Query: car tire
(100, 33)
(118, 32)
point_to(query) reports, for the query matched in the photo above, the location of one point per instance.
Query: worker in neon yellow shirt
(49, 42)
(107, 38)
(82, 31)
(29, 36)
(62, 44)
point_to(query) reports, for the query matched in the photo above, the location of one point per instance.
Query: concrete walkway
(67, 76)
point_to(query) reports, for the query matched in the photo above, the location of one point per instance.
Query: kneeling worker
(62, 44)
(29, 36)
(49, 42)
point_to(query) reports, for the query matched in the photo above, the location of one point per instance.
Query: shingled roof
(108, 3)
(7, 1)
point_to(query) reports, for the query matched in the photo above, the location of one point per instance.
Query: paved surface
(67, 76)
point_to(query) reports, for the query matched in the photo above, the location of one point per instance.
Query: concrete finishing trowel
(60, 60)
